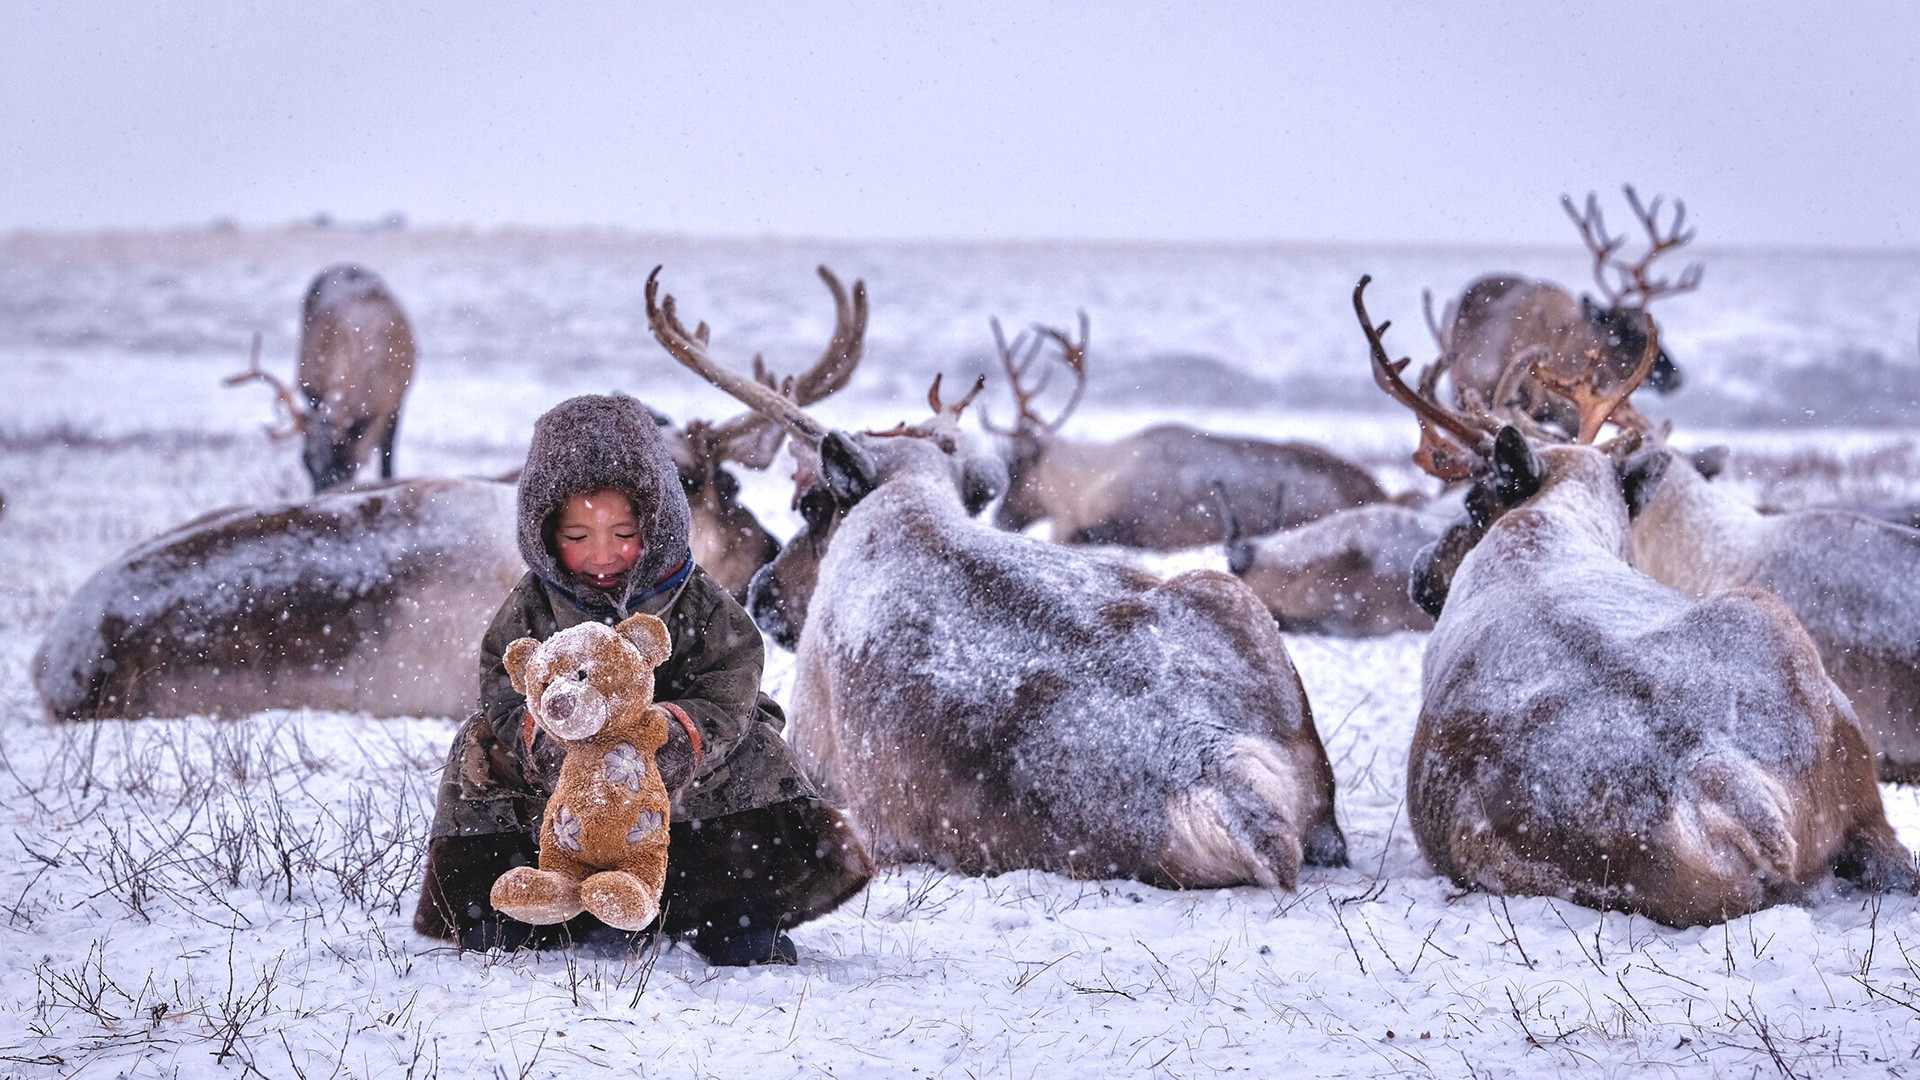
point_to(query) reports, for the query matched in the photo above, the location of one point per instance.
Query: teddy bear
(603, 841)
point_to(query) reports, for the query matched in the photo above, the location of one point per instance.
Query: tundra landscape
(203, 896)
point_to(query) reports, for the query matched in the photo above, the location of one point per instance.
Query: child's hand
(679, 758)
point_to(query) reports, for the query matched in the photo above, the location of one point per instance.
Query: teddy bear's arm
(714, 673)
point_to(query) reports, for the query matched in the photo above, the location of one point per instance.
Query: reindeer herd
(1638, 693)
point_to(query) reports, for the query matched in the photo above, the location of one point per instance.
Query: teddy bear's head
(578, 679)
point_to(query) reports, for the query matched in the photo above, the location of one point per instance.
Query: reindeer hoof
(540, 897)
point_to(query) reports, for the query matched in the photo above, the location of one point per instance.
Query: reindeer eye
(581, 674)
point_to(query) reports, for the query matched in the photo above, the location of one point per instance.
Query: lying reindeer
(1590, 733)
(1344, 575)
(356, 362)
(1153, 489)
(987, 701)
(1852, 581)
(1502, 318)
(366, 601)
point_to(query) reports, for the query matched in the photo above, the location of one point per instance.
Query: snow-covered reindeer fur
(366, 601)
(1853, 582)
(988, 702)
(1344, 575)
(1588, 732)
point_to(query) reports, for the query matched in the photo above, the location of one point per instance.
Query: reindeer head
(1622, 326)
(1027, 439)
(1497, 452)
(850, 466)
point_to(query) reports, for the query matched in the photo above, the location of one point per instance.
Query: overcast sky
(1780, 123)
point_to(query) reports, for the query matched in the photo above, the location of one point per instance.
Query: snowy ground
(198, 899)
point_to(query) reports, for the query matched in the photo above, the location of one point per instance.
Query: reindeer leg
(386, 446)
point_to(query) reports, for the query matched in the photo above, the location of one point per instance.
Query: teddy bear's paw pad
(626, 767)
(617, 898)
(540, 897)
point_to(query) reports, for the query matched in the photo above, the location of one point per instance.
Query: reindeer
(1344, 575)
(1155, 488)
(366, 601)
(1853, 582)
(1590, 733)
(987, 701)
(729, 543)
(1502, 318)
(356, 362)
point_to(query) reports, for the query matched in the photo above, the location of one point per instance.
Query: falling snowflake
(566, 830)
(626, 766)
(649, 823)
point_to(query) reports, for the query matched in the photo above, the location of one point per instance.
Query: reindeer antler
(286, 406)
(691, 350)
(1072, 353)
(1448, 460)
(1635, 288)
(1596, 408)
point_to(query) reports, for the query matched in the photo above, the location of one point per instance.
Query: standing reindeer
(1505, 324)
(1588, 732)
(356, 362)
(987, 701)
(1156, 488)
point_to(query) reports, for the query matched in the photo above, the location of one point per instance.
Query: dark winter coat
(493, 782)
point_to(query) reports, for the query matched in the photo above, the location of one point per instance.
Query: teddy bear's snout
(573, 710)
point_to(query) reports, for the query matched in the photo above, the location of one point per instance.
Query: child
(603, 525)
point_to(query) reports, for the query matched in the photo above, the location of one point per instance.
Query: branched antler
(1017, 361)
(1633, 287)
(1597, 408)
(691, 350)
(1472, 439)
(286, 407)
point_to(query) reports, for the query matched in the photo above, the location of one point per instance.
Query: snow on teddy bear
(603, 842)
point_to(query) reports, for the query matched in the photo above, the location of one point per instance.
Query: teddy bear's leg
(620, 899)
(540, 897)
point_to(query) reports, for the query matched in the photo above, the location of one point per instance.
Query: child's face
(598, 538)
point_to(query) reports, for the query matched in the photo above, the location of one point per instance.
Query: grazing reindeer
(1503, 318)
(1344, 575)
(356, 361)
(1852, 581)
(366, 601)
(729, 543)
(1153, 489)
(987, 701)
(1588, 732)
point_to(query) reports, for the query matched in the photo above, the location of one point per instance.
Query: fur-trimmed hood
(601, 442)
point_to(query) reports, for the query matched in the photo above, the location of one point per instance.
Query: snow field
(201, 899)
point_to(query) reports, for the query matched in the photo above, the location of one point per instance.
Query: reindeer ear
(649, 635)
(515, 661)
(1592, 311)
(982, 479)
(1710, 461)
(847, 469)
(1516, 472)
(1640, 477)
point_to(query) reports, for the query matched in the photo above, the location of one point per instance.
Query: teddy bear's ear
(516, 659)
(649, 635)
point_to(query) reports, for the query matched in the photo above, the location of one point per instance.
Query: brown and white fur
(987, 701)
(364, 601)
(1852, 581)
(1344, 575)
(1156, 488)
